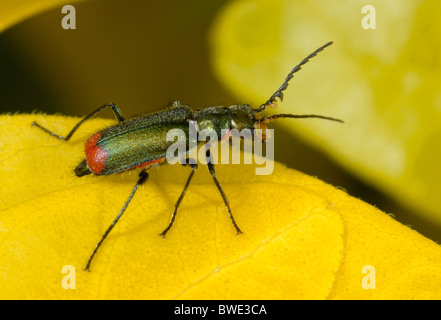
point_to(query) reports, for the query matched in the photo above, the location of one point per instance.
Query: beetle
(141, 142)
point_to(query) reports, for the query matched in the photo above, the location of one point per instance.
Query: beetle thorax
(242, 117)
(212, 118)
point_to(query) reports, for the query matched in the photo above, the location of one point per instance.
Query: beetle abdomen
(140, 142)
(143, 147)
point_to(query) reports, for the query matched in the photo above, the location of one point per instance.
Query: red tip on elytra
(150, 163)
(226, 136)
(95, 155)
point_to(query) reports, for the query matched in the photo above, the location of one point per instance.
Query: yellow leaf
(12, 12)
(383, 82)
(303, 239)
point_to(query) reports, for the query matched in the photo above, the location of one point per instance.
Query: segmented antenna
(279, 93)
(297, 116)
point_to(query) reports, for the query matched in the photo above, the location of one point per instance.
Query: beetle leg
(224, 196)
(115, 110)
(194, 166)
(143, 176)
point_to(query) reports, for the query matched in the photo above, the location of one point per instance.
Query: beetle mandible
(140, 142)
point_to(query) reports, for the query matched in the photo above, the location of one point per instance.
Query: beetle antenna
(279, 92)
(285, 115)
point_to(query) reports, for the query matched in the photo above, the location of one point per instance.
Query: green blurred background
(143, 55)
